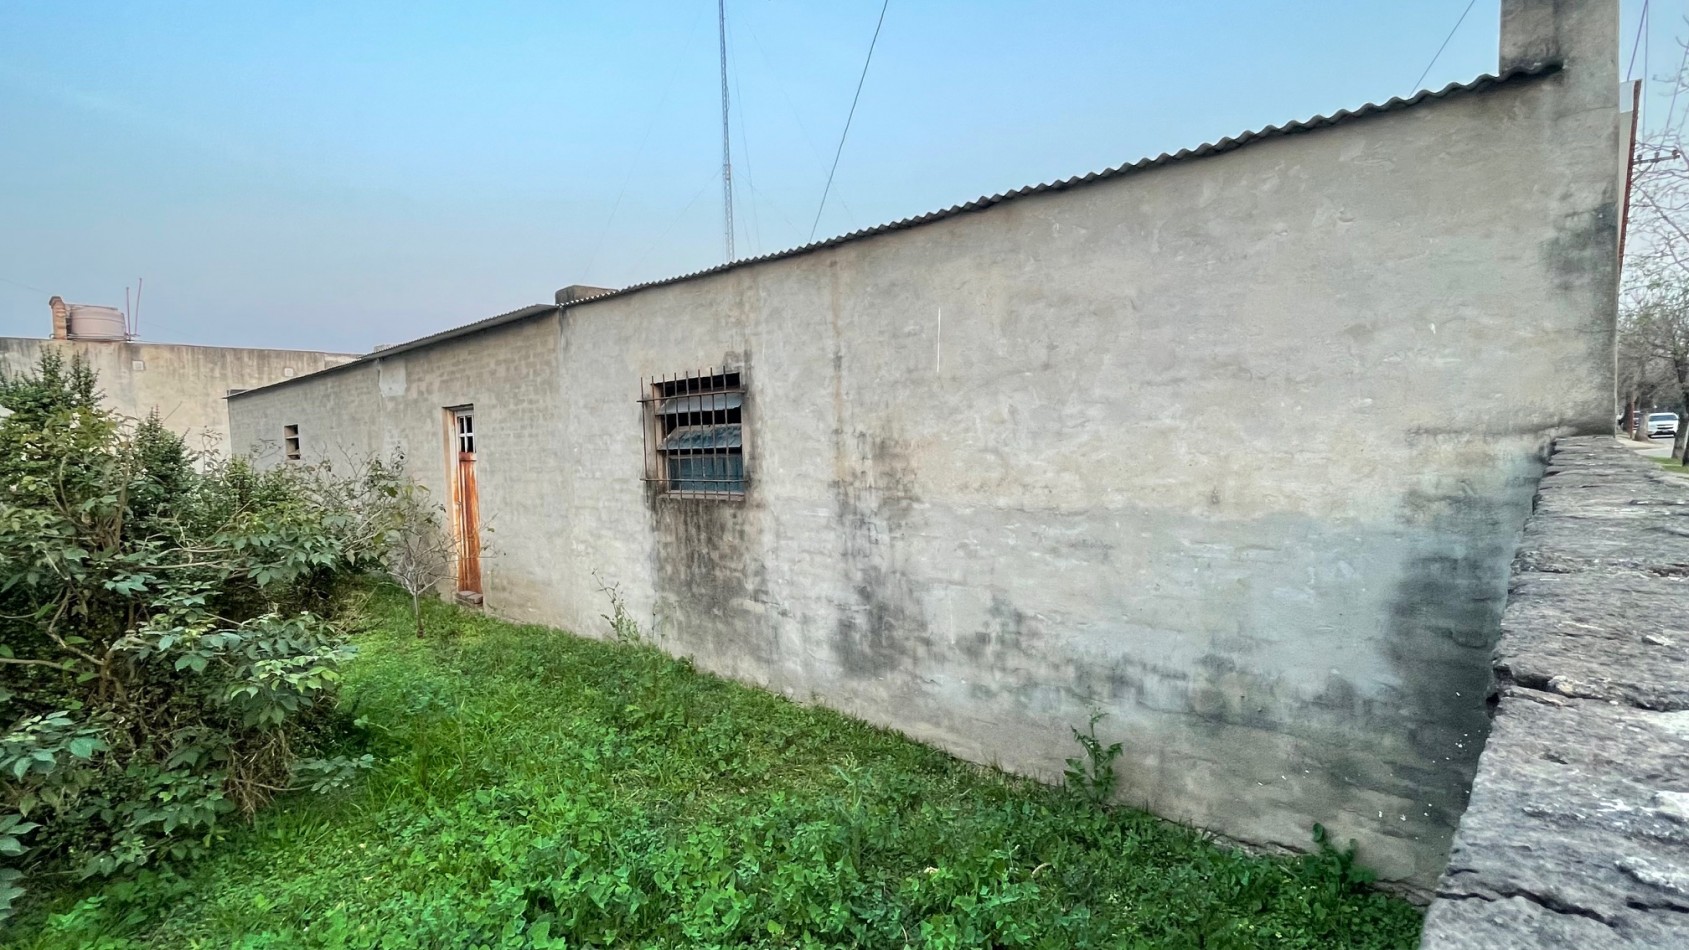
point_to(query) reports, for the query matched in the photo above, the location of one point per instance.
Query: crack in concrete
(1546, 903)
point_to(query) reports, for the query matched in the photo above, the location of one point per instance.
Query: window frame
(290, 444)
(711, 407)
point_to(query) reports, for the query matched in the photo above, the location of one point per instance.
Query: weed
(623, 628)
(1092, 777)
(1338, 868)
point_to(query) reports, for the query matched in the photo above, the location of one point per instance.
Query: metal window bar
(694, 433)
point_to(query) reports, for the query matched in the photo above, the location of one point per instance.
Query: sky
(338, 174)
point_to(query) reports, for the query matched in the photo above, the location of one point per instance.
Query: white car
(1662, 423)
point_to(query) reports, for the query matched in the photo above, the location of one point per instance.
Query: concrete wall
(186, 385)
(398, 403)
(1235, 450)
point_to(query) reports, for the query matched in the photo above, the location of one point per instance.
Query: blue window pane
(717, 473)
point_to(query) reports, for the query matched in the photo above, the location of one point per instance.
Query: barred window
(694, 434)
(290, 443)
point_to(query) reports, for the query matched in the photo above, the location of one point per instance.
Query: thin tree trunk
(416, 611)
(1681, 440)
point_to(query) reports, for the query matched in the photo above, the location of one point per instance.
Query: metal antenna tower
(726, 140)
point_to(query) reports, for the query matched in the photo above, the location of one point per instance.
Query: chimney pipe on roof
(61, 318)
(1580, 35)
(574, 292)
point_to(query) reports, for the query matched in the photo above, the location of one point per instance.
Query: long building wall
(1235, 450)
(186, 385)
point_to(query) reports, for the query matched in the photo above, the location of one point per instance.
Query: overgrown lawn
(541, 790)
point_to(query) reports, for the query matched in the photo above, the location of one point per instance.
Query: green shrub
(168, 636)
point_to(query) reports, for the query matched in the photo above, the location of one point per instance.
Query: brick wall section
(1577, 835)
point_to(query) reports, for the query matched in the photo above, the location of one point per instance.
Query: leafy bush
(168, 637)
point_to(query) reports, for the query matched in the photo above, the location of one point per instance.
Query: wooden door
(467, 510)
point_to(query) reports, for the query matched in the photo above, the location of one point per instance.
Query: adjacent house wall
(398, 404)
(1235, 450)
(186, 385)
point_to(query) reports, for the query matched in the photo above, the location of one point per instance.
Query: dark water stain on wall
(711, 585)
(883, 627)
(1444, 618)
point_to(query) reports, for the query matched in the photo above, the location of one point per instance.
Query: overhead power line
(797, 116)
(1636, 44)
(1676, 86)
(15, 283)
(1417, 83)
(851, 115)
(639, 151)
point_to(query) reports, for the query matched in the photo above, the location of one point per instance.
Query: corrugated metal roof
(514, 316)
(1230, 143)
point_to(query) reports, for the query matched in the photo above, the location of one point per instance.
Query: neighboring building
(186, 385)
(1233, 445)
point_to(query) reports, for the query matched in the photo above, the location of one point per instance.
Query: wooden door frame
(454, 483)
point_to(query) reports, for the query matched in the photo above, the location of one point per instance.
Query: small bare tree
(420, 550)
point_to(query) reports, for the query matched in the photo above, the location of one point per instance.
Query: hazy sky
(344, 173)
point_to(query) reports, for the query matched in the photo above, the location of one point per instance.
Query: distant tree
(1654, 346)
(1653, 353)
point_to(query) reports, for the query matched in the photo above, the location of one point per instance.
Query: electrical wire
(15, 283)
(753, 226)
(715, 176)
(797, 116)
(1439, 53)
(850, 115)
(1647, 43)
(1676, 86)
(1636, 44)
(639, 151)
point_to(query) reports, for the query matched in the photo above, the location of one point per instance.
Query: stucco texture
(186, 385)
(1235, 451)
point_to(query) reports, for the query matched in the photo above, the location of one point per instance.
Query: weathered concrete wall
(1578, 832)
(1236, 450)
(186, 385)
(398, 403)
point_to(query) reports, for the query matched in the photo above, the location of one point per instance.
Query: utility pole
(726, 140)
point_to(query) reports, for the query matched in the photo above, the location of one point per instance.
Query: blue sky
(339, 174)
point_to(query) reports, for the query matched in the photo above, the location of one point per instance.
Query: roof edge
(491, 323)
(1228, 144)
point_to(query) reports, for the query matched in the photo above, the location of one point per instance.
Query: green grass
(540, 790)
(1666, 462)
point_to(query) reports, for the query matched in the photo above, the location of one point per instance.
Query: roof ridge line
(1206, 149)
